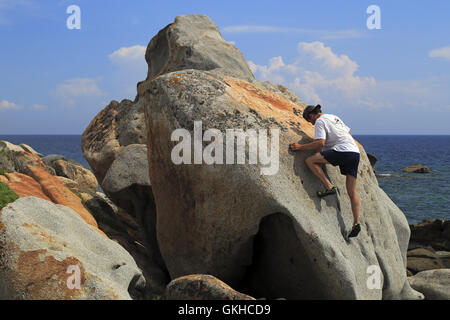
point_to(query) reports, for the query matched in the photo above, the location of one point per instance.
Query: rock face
(114, 144)
(432, 232)
(122, 227)
(45, 246)
(202, 287)
(194, 42)
(434, 284)
(43, 185)
(422, 259)
(417, 168)
(268, 234)
(84, 178)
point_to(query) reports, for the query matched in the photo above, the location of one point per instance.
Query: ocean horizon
(419, 196)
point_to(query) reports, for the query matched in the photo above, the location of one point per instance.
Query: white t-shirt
(336, 134)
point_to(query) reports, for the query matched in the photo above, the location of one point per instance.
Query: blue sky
(394, 80)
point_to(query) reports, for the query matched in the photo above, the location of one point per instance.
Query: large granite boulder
(434, 284)
(49, 252)
(194, 42)
(202, 287)
(422, 259)
(269, 233)
(431, 232)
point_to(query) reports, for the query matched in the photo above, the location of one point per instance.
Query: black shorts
(347, 161)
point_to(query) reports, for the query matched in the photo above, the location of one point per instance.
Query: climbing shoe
(327, 192)
(355, 230)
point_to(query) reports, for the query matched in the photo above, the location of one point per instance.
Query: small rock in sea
(417, 168)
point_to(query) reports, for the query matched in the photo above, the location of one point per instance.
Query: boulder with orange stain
(43, 185)
(270, 231)
(49, 252)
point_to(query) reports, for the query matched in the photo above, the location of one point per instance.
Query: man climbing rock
(340, 149)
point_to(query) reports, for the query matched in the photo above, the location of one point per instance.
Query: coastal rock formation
(431, 232)
(123, 228)
(417, 168)
(422, 259)
(84, 178)
(114, 144)
(202, 287)
(43, 185)
(194, 42)
(434, 284)
(49, 252)
(266, 233)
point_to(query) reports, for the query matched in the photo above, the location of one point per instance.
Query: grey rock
(39, 242)
(267, 233)
(130, 167)
(194, 42)
(434, 284)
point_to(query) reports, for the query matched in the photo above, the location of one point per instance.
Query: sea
(419, 195)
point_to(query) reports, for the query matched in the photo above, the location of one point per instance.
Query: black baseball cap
(310, 109)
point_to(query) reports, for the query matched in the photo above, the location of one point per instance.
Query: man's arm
(316, 144)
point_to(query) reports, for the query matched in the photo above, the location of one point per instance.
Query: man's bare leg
(314, 163)
(350, 183)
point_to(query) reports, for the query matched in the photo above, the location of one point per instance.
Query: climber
(340, 150)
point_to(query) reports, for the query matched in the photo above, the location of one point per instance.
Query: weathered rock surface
(194, 42)
(431, 232)
(234, 223)
(422, 259)
(83, 177)
(43, 185)
(40, 244)
(202, 287)
(116, 126)
(417, 168)
(434, 284)
(124, 229)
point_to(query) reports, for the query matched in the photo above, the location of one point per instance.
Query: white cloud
(6, 105)
(75, 88)
(134, 54)
(320, 34)
(318, 75)
(131, 68)
(440, 53)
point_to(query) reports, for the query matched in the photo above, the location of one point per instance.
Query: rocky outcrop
(431, 232)
(422, 259)
(194, 42)
(49, 252)
(123, 228)
(114, 144)
(43, 185)
(257, 231)
(83, 177)
(234, 223)
(202, 287)
(434, 284)
(416, 168)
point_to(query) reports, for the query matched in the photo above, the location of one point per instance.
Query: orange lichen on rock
(25, 186)
(60, 194)
(268, 104)
(41, 276)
